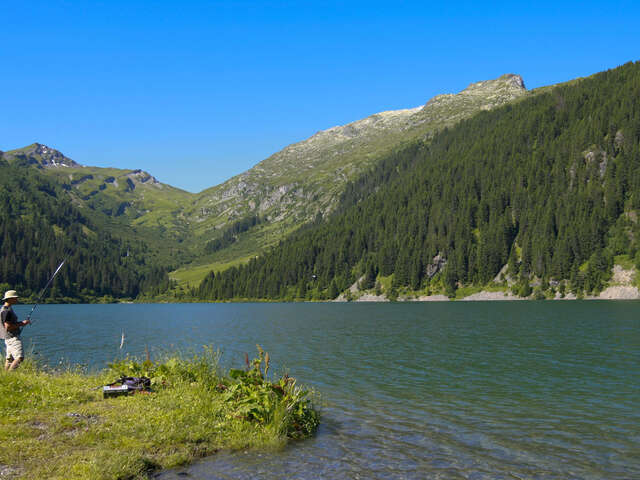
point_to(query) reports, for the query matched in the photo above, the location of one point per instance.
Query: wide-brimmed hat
(10, 294)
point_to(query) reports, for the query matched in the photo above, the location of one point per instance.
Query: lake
(469, 390)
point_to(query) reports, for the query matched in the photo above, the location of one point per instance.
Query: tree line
(548, 186)
(231, 233)
(39, 227)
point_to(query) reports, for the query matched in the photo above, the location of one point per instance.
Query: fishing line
(45, 287)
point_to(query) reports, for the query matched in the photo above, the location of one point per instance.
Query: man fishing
(12, 328)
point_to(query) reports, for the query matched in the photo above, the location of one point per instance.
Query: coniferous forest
(40, 227)
(548, 186)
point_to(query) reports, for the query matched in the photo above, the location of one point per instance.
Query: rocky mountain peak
(50, 157)
(318, 167)
(515, 80)
(507, 81)
(484, 95)
(41, 155)
(136, 177)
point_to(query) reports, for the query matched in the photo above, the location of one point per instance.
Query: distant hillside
(40, 156)
(40, 226)
(134, 194)
(306, 179)
(285, 191)
(541, 193)
(130, 204)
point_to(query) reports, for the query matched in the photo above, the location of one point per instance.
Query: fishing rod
(45, 287)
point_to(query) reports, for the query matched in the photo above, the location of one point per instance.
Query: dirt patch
(7, 471)
(431, 298)
(620, 292)
(490, 296)
(368, 297)
(622, 276)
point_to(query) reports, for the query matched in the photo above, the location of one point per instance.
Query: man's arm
(3, 317)
(9, 325)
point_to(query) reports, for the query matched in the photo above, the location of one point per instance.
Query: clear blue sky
(195, 92)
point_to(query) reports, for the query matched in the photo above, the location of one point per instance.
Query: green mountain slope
(40, 226)
(130, 204)
(305, 179)
(544, 191)
(285, 191)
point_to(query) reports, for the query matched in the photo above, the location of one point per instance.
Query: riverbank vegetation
(55, 424)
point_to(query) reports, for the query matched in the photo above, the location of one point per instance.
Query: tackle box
(109, 391)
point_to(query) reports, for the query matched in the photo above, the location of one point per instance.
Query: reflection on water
(441, 390)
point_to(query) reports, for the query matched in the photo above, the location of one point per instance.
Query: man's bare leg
(15, 363)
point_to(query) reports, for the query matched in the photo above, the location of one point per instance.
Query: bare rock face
(306, 178)
(437, 265)
(622, 285)
(620, 292)
(137, 177)
(618, 141)
(44, 156)
(599, 156)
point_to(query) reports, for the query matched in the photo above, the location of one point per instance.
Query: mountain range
(288, 189)
(495, 187)
(536, 197)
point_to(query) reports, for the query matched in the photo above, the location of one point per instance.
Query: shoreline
(612, 292)
(616, 292)
(620, 288)
(191, 410)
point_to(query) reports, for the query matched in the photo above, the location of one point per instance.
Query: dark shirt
(8, 316)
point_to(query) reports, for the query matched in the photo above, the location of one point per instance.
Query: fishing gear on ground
(126, 386)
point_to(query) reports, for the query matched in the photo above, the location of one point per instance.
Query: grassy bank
(54, 424)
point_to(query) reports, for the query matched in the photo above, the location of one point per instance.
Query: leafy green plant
(281, 404)
(264, 401)
(202, 368)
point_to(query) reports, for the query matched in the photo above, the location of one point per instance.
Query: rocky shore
(621, 287)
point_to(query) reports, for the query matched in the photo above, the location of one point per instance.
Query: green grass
(625, 261)
(518, 252)
(465, 291)
(55, 426)
(192, 276)
(248, 246)
(385, 282)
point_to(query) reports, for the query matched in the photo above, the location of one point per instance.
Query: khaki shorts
(14, 348)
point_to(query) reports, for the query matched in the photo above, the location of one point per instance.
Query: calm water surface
(486, 390)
